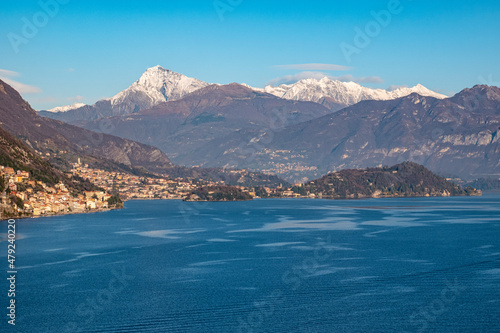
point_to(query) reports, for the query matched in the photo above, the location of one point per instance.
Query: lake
(298, 265)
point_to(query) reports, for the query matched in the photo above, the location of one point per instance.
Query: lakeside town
(23, 196)
(27, 197)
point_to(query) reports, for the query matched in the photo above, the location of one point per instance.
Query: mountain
(158, 85)
(155, 86)
(61, 142)
(15, 154)
(181, 127)
(407, 179)
(336, 94)
(457, 137)
(67, 108)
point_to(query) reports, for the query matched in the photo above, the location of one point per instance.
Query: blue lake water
(380, 265)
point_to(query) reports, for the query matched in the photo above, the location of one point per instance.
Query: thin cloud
(76, 99)
(396, 87)
(22, 88)
(314, 67)
(448, 93)
(350, 78)
(291, 79)
(6, 72)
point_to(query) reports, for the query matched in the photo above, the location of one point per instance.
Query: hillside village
(23, 196)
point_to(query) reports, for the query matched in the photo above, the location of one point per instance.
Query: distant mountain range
(297, 132)
(336, 94)
(158, 85)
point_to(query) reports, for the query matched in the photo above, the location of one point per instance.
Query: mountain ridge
(158, 85)
(451, 136)
(337, 94)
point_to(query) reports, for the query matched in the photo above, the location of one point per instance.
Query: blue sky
(85, 50)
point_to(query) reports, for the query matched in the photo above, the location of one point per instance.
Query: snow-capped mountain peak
(67, 108)
(341, 93)
(155, 86)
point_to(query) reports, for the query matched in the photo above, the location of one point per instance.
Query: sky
(58, 52)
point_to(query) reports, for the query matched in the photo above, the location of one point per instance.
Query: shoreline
(59, 214)
(276, 198)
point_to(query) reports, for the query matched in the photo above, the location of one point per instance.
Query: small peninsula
(218, 193)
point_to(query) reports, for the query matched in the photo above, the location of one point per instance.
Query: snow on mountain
(158, 85)
(341, 93)
(67, 108)
(155, 86)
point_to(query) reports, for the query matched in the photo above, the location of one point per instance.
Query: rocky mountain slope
(15, 154)
(54, 138)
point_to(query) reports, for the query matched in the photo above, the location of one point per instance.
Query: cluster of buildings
(23, 196)
(136, 187)
(284, 162)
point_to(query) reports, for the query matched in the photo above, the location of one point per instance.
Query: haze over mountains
(296, 131)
